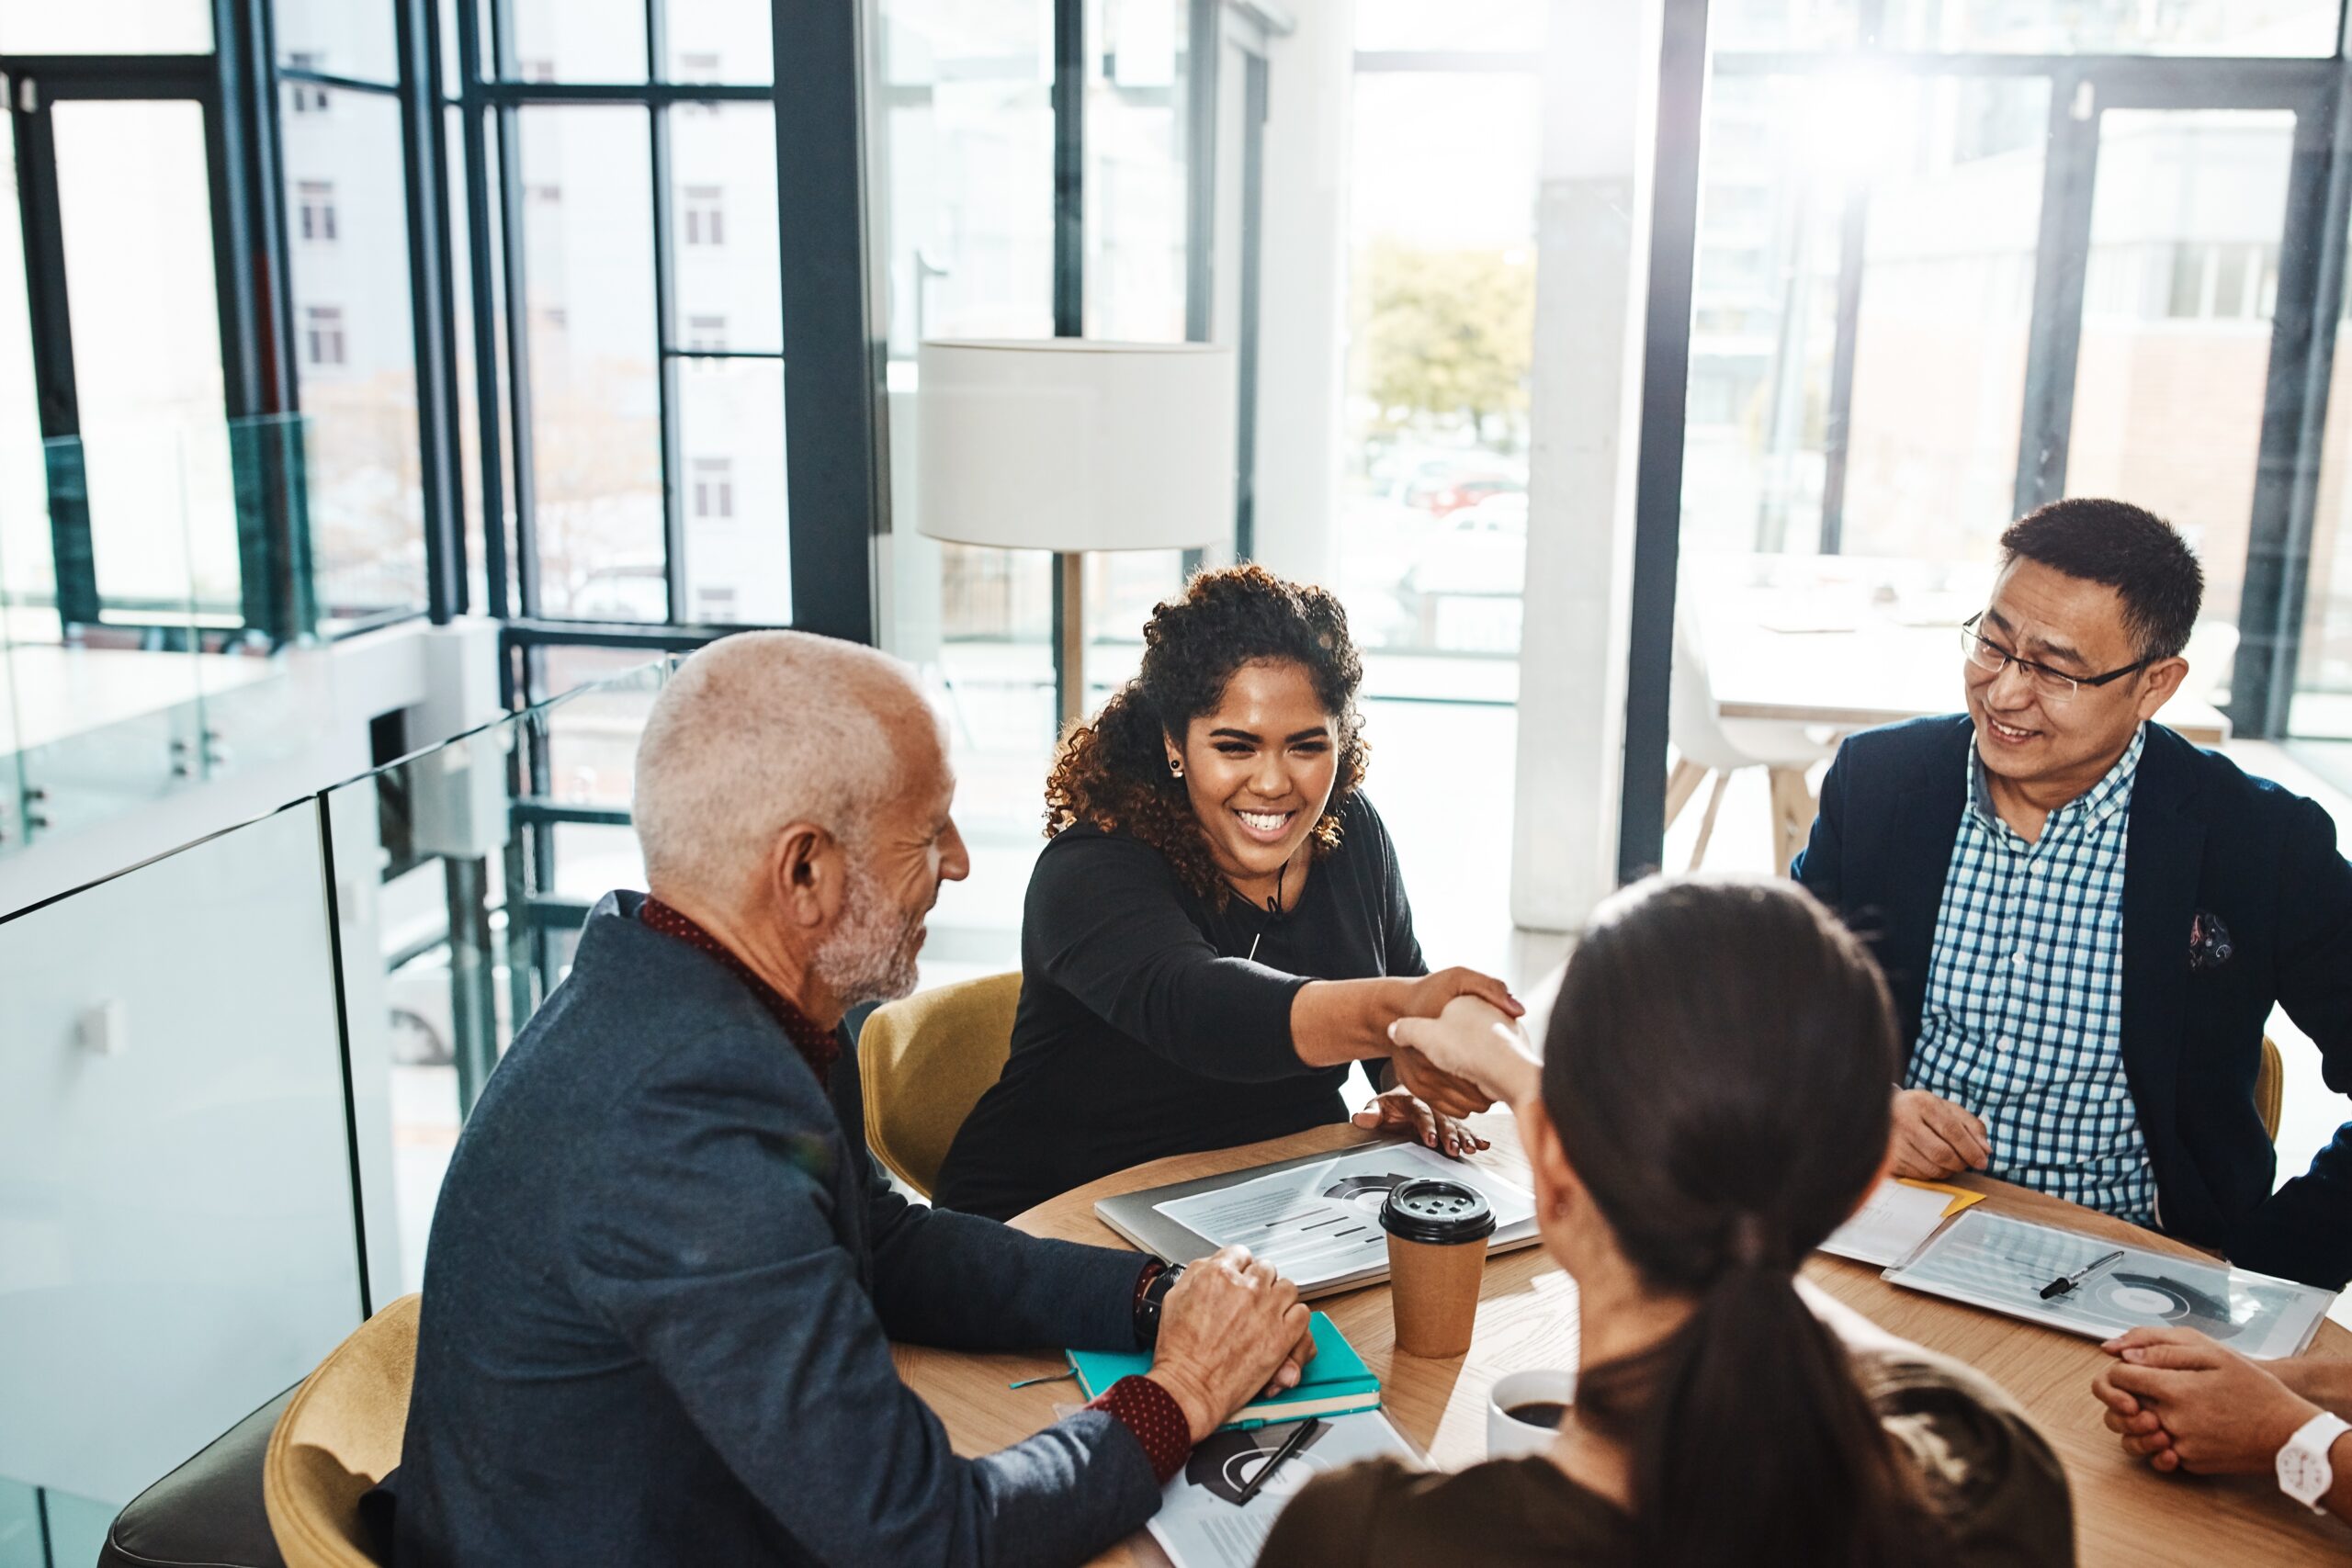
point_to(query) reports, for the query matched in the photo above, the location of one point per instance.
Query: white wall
(1599, 83)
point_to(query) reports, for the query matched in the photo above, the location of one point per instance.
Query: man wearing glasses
(2086, 920)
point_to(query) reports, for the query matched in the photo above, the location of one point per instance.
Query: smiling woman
(1219, 925)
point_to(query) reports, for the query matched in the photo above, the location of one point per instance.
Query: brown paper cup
(1434, 1290)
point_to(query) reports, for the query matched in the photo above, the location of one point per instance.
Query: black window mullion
(518, 354)
(472, 127)
(665, 369)
(424, 167)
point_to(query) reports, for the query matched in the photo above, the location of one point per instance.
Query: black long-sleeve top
(1146, 1026)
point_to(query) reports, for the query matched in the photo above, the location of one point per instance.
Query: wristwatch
(2305, 1473)
(1155, 1291)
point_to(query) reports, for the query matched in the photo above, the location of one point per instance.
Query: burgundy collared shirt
(1139, 1404)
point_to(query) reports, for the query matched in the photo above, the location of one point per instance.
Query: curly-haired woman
(1219, 925)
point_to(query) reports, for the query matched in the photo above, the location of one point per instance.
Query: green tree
(1449, 333)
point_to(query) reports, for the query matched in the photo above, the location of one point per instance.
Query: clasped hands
(2183, 1403)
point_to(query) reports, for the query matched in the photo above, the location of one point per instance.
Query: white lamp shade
(1062, 443)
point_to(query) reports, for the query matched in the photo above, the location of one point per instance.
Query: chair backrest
(2271, 1087)
(341, 1435)
(925, 1061)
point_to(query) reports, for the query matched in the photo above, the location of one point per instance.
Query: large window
(346, 209)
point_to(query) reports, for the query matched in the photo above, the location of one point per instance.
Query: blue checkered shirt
(2023, 1022)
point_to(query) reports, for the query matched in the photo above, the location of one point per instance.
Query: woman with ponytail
(1711, 1103)
(1219, 925)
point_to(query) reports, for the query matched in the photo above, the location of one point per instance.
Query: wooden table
(2125, 1514)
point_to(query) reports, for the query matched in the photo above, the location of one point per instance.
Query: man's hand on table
(1229, 1328)
(2183, 1403)
(1933, 1139)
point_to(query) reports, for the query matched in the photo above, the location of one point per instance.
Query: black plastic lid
(1432, 1209)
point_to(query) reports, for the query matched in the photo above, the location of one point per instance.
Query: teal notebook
(1337, 1382)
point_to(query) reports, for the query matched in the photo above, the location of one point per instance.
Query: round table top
(2124, 1512)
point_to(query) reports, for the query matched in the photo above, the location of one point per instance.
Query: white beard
(870, 956)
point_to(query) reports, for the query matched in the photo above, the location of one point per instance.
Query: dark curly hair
(1113, 774)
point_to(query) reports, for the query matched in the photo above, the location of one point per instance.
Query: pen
(2065, 1282)
(1291, 1445)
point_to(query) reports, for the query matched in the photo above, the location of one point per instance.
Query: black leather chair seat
(208, 1513)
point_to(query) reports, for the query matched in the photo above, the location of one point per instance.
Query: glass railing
(153, 580)
(231, 1079)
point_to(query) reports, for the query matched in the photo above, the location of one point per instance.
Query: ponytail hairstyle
(1718, 1066)
(1113, 774)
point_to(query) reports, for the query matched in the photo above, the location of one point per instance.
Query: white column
(1302, 252)
(1592, 235)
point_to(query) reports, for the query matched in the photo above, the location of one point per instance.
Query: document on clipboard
(2014, 1267)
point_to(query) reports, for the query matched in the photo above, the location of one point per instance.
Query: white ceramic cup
(1507, 1436)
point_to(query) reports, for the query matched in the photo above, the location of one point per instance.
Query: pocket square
(2210, 946)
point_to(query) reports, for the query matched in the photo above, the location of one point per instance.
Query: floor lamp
(1073, 445)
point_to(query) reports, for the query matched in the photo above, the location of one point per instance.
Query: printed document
(1203, 1523)
(1315, 1222)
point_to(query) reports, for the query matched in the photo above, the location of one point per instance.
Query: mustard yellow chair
(341, 1435)
(2270, 1085)
(925, 1061)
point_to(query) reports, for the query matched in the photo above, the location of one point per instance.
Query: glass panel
(1134, 173)
(964, 198)
(1441, 305)
(20, 1533)
(730, 419)
(2032, 27)
(145, 315)
(723, 229)
(1517, 25)
(341, 38)
(1896, 221)
(596, 406)
(579, 40)
(1135, 228)
(27, 581)
(719, 40)
(78, 1526)
(107, 27)
(970, 203)
(593, 859)
(354, 351)
(2115, 27)
(2176, 345)
(1954, 195)
(174, 1167)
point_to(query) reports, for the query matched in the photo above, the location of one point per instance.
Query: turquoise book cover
(1337, 1382)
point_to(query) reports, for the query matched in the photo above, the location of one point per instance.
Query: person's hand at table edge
(1470, 1040)
(2183, 1402)
(1933, 1139)
(1230, 1327)
(1399, 1109)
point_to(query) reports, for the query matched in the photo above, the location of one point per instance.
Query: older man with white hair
(662, 1277)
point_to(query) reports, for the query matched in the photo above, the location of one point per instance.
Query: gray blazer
(660, 1289)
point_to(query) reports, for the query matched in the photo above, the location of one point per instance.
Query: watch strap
(2304, 1457)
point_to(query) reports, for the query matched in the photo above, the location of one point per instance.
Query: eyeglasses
(2051, 685)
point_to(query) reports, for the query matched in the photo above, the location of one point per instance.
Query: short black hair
(2127, 548)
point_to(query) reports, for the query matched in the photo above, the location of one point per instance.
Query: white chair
(1707, 743)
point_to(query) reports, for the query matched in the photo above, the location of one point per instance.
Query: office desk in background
(2124, 1512)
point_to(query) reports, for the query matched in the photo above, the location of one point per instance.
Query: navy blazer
(658, 1298)
(2204, 839)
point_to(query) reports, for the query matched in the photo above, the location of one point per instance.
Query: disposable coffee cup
(1524, 1411)
(1437, 1250)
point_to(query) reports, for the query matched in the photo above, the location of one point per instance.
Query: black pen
(2065, 1282)
(1291, 1445)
